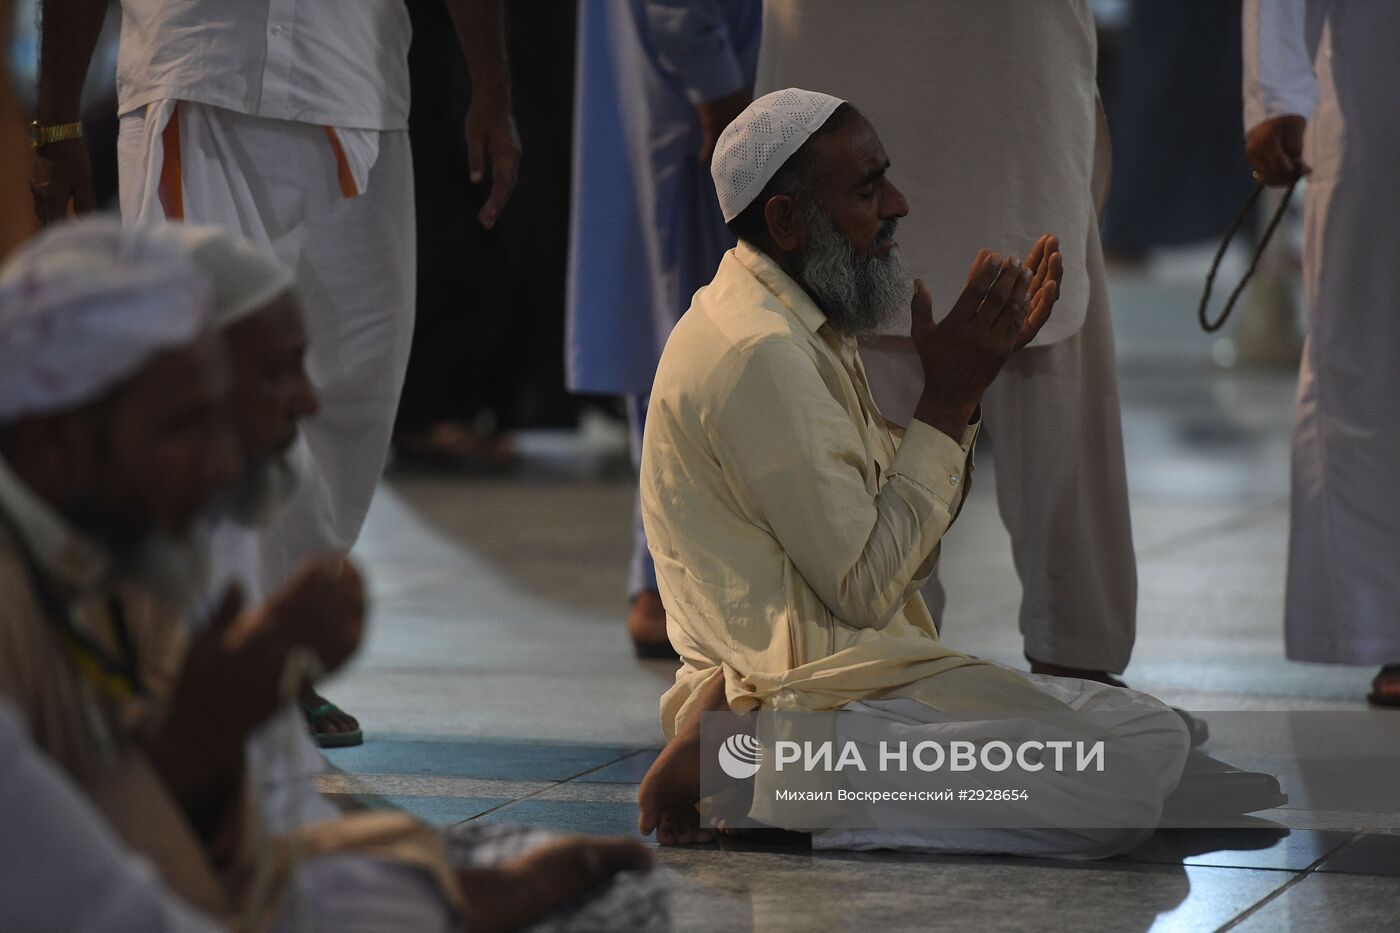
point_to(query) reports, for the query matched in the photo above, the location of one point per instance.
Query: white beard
(174, 570)
(861, 295)
(266, 487)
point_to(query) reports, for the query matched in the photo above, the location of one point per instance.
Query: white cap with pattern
(752, 148)
(84, 304)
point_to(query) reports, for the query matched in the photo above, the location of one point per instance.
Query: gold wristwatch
(41, 135)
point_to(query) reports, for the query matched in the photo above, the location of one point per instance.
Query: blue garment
(641, 572)
(646, 229)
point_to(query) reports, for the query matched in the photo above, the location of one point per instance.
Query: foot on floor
(330, 725)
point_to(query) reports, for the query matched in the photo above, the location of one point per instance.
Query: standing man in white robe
(934, 77)
(286, 122)
(1318, 96)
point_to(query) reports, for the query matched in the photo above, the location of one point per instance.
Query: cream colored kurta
(988, 114)
(790, 527)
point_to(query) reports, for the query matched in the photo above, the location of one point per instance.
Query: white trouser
(1153, 736)
(1053, 422)
(337, 208)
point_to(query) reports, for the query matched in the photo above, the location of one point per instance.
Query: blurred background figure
(19, 35)
(1170, 79)
(16, 220)
(1318, 91)
(658, 81)
(935, 78)
(311, 161)
(487, 355)
(1173, 110)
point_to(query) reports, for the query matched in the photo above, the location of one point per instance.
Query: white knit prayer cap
(752, 148)
(84, 305)
(241, 277)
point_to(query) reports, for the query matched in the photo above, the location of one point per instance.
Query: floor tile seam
(447, 786)
(1235, 521)
(1355, 838)
(1184, 864)
(508, 804)
(1284, 888)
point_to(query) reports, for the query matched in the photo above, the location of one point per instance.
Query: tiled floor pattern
(1267, 878)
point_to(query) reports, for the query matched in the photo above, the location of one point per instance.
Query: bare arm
(490, 129)
(61, 173)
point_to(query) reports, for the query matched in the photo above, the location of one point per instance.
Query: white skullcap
(242, 278)
(84, 305)
(752, 148)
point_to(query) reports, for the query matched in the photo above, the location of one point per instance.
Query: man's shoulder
(716, 347)
(734, 322)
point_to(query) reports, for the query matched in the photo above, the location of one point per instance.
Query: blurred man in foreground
(287, 124)
(116, 434)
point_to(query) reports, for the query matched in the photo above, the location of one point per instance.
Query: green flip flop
(330, 739)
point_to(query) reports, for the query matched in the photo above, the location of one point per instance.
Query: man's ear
(784, 222)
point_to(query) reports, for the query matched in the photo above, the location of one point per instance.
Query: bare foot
(670, 792)
(670, 795)
(515, 894)
(1385, 689)
(646, 623)
(1057, 670)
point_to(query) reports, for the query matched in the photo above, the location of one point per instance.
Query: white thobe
(287, 124)
(987, 111)
(1333, 61)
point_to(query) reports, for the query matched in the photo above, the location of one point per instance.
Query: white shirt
(64, 867)
(341, 63)
(1280, 39)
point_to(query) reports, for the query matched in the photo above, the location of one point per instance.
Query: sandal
(330, 739)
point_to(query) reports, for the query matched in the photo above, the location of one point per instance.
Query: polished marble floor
(497, 683)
